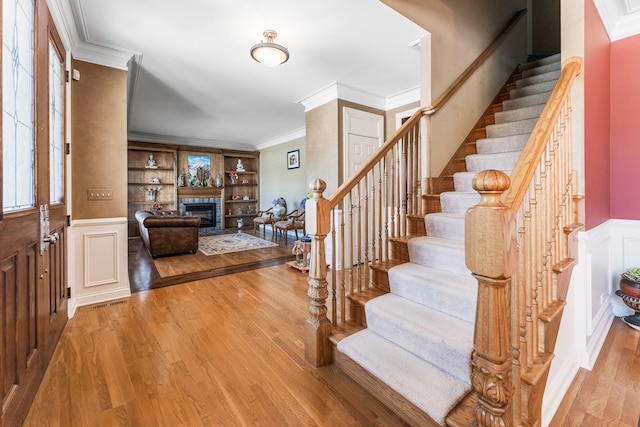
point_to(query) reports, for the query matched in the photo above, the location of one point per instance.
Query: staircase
(421, 334)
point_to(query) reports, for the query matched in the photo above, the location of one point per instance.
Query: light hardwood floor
(222, 351)
(228, 351)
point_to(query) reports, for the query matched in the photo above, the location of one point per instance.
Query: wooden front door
(33, 279)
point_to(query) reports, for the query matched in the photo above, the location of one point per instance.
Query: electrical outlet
(99, 194)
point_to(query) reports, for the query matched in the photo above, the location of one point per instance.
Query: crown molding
(337, 90)
(296, 134)
(69, 22)
(195, 142)
(621, 18)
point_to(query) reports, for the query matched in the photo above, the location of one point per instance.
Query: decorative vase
(634, 304)
(279, 211)
(218, 180)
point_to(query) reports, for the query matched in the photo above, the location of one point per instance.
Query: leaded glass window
(56, 126)
(17, 105)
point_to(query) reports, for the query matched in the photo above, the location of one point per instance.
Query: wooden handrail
(453, 88)
(527, 163)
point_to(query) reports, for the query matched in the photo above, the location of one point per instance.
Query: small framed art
(293, 159)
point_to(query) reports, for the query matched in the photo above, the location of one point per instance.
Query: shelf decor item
(151, 193)
(279, 207)
(630, 282)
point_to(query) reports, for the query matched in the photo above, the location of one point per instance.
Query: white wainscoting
(98, 268)
(604, 252)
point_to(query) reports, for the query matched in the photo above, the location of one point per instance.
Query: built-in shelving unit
(151, 172)
(241, 195)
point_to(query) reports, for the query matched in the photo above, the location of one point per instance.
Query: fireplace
(206, 212)
(207, 208)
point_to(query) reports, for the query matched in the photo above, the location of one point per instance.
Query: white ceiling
(191, 77)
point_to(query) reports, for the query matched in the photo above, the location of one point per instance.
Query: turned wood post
(317, 327)
(490, 239)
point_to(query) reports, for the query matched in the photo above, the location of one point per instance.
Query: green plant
(632, 274)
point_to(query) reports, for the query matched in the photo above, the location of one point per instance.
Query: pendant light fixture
(269, 53)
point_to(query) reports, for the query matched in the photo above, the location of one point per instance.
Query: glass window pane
(56, 128)
(17, 105)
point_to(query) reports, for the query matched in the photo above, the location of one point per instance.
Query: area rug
(225, 243)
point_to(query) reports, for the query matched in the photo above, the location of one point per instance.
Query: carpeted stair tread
(452, 293)
(423, 384)
(499, 161)
(538, 78)
(531, 112)
(445, 224)
(556, 57)
(532, 89)
(436, 252)
(502, 144)
(431, 335)
(458, 201)
(511, 128)
(541, 69)
(525, 101)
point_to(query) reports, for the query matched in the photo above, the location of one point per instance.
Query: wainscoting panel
(98, 261)
(101, 258)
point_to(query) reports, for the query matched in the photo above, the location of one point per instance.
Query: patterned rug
(225, 243)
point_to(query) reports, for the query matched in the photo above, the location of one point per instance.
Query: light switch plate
(99, 194)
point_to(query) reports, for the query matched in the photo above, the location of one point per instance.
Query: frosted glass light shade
(269, 53)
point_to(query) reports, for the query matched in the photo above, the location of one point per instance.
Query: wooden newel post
(490, 236)
(317, 328)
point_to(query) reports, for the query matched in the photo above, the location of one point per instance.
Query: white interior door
(363, 135)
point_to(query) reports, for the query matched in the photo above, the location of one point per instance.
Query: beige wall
(322, 145)
(99, 140)
(459, 32)
(278, 181)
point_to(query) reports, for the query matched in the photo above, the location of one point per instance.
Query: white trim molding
(621, 18)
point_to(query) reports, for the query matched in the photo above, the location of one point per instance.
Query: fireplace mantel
(204, 192)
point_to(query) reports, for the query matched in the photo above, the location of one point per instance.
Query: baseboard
(99, 297)
(557, 387)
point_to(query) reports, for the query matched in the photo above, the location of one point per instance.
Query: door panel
(33, 304)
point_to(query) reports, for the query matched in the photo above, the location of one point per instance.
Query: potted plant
(630, 282)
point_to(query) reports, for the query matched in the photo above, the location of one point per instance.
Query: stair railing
(365, 212)
(520, 247)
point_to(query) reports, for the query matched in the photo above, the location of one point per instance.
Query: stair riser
(458, 202)
(439, 225)
(541, 70)
(532, 89)
(501, 145)
(525, 101)
(512, 128)
(526, 113)
(435, 256)
(499, 161)
(452, 295)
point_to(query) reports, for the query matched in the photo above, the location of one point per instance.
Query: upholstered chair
(264, 218)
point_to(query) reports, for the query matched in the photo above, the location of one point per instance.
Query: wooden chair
(293, 221)
(264, 218)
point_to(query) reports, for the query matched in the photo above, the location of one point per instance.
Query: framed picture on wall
(293, 159)
(199, 170)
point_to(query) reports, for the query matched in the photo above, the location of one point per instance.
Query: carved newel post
(317, 327)
(490, 239)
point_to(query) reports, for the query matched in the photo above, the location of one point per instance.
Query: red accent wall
(597, 75)
(625, 128)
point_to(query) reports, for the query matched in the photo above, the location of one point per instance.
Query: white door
(363, 135)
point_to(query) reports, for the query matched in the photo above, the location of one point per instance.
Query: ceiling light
(269, 53)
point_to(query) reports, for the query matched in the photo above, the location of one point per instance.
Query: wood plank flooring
(222, 351)
(228, 350)
(609, 395)
(146, 273)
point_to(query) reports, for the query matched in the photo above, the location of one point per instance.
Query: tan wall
(390, 117)
(459, 32)
(99, 140)
(322, 145)
(278, 181)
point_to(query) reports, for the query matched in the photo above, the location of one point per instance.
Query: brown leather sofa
(168, 232)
